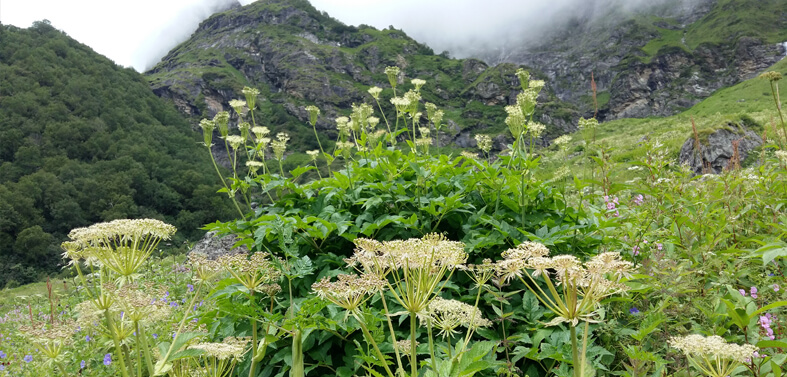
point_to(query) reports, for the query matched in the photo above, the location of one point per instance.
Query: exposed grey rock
(715, 152)
(213, 247)
(672, 80)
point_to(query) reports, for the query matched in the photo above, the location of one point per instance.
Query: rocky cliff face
(656, 62)
(298, 56)
(660, 60)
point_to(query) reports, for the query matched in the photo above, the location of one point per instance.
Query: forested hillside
(83, 140)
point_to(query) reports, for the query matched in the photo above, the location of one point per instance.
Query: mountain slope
(298, 56)
(750, 101)
(659, 60)
(82, 141)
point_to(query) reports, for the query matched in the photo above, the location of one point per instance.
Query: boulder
(214, 246)
(717, 147)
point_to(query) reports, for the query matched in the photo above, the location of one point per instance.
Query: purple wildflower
(28, 358)
(108, 359)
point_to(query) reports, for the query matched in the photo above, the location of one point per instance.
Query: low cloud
(465, 26)
(176, 30)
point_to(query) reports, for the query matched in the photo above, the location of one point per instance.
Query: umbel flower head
(239, 106)
(260, 132)
(712, 355)
(484, 142)
(139, 306)
(587, 123)
(417, 265)
(51, 339)
(280, 145)
(122, 246)
(582, 287)
(313, 113)
(562, 141)
(207, 130)
(418, 83)
(222, 119)
(254, 273)
(343, 125)
(220, 358)
(235, 141)
(771, 76)
(447, 315)
(251, 96)
(349, 291)
(393, 75)
(375, 92)
(524, 78)
(231, 348)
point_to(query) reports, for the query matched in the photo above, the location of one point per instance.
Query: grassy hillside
(84, 140)
(751, 98)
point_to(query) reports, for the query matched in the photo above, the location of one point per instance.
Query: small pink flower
(659, 246)
(776, 287)
(743, 293)
(753, 292)
(636, 250)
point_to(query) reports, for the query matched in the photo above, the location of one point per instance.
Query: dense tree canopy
(83, 140)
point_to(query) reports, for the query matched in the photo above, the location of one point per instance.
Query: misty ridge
(488, 29)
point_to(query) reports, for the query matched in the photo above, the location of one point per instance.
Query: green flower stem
(371, 341)
(413, 355)
(297, 355)
(139, 348)
(118, 350)
(431, 345)
(146, 350)
(391, 329)
(388, 125)
(585, 347)
(225, 183)
(253, 339)
(314, 127)
(472, 322)
(183, 321)
(575, 351)
(318, 169)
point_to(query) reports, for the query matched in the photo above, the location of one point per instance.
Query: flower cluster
(447, 315)
(765, 323)
(612, 203)
(712, 347)
(121, 246)
(231, 348)
(349, 291)
(431, 252)
(484, 143)
(257, 273)
(583, 285)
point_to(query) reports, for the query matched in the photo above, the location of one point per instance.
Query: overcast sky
(138, 33)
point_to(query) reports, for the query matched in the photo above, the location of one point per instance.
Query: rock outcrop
(720, 148)
(213, 246)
